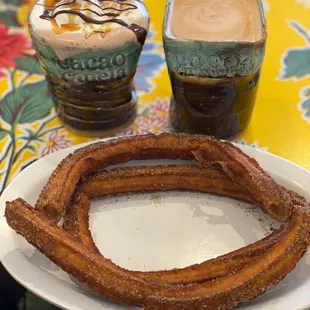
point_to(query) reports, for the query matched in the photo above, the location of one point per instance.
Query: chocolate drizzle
(108, 14)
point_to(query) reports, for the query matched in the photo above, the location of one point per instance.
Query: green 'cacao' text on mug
(220, 59)
(91, 66)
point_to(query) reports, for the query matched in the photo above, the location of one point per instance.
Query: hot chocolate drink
(89, 50)
(214, 51)
(216, 20)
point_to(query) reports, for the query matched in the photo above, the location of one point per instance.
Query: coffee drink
(214, 52)
(89, 50)
(216, 20)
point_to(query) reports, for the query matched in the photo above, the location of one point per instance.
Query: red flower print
(11, 47)
(145, 125)
(160, 107)
(138, 127)
(56, 141)
(154, 120)
(158, 125)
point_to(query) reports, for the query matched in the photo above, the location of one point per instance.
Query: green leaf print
(26, 104)
(305, 104)
(31, 148)
(30, 65)
(2, 134)
(14, 2)
(297, 63)
(9, 17)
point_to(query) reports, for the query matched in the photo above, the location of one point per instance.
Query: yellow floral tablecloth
(29, 128)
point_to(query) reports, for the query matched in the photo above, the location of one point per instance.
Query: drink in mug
(89, 51)
(214, 52)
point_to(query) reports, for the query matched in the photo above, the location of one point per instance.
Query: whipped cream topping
(216, 20)
(72, 27)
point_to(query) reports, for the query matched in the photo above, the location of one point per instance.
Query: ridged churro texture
(163, 178)
(221, 169)
(206, 150)
(121, 286)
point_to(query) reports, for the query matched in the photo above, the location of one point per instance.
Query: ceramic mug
(214, 83)
(92, 88)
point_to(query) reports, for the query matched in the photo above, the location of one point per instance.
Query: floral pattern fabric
(30, 129)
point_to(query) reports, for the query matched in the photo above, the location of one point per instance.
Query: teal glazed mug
(89, 52)
(214, 81)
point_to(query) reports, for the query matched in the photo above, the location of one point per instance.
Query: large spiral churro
(222, 169)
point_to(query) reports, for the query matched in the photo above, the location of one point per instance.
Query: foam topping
(216, 20)
(71, 27)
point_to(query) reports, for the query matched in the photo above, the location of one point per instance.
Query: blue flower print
(151, 62)
(295, 62)
(296, 65)
(304, 105)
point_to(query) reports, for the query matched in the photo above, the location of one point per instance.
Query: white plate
(154, 231)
